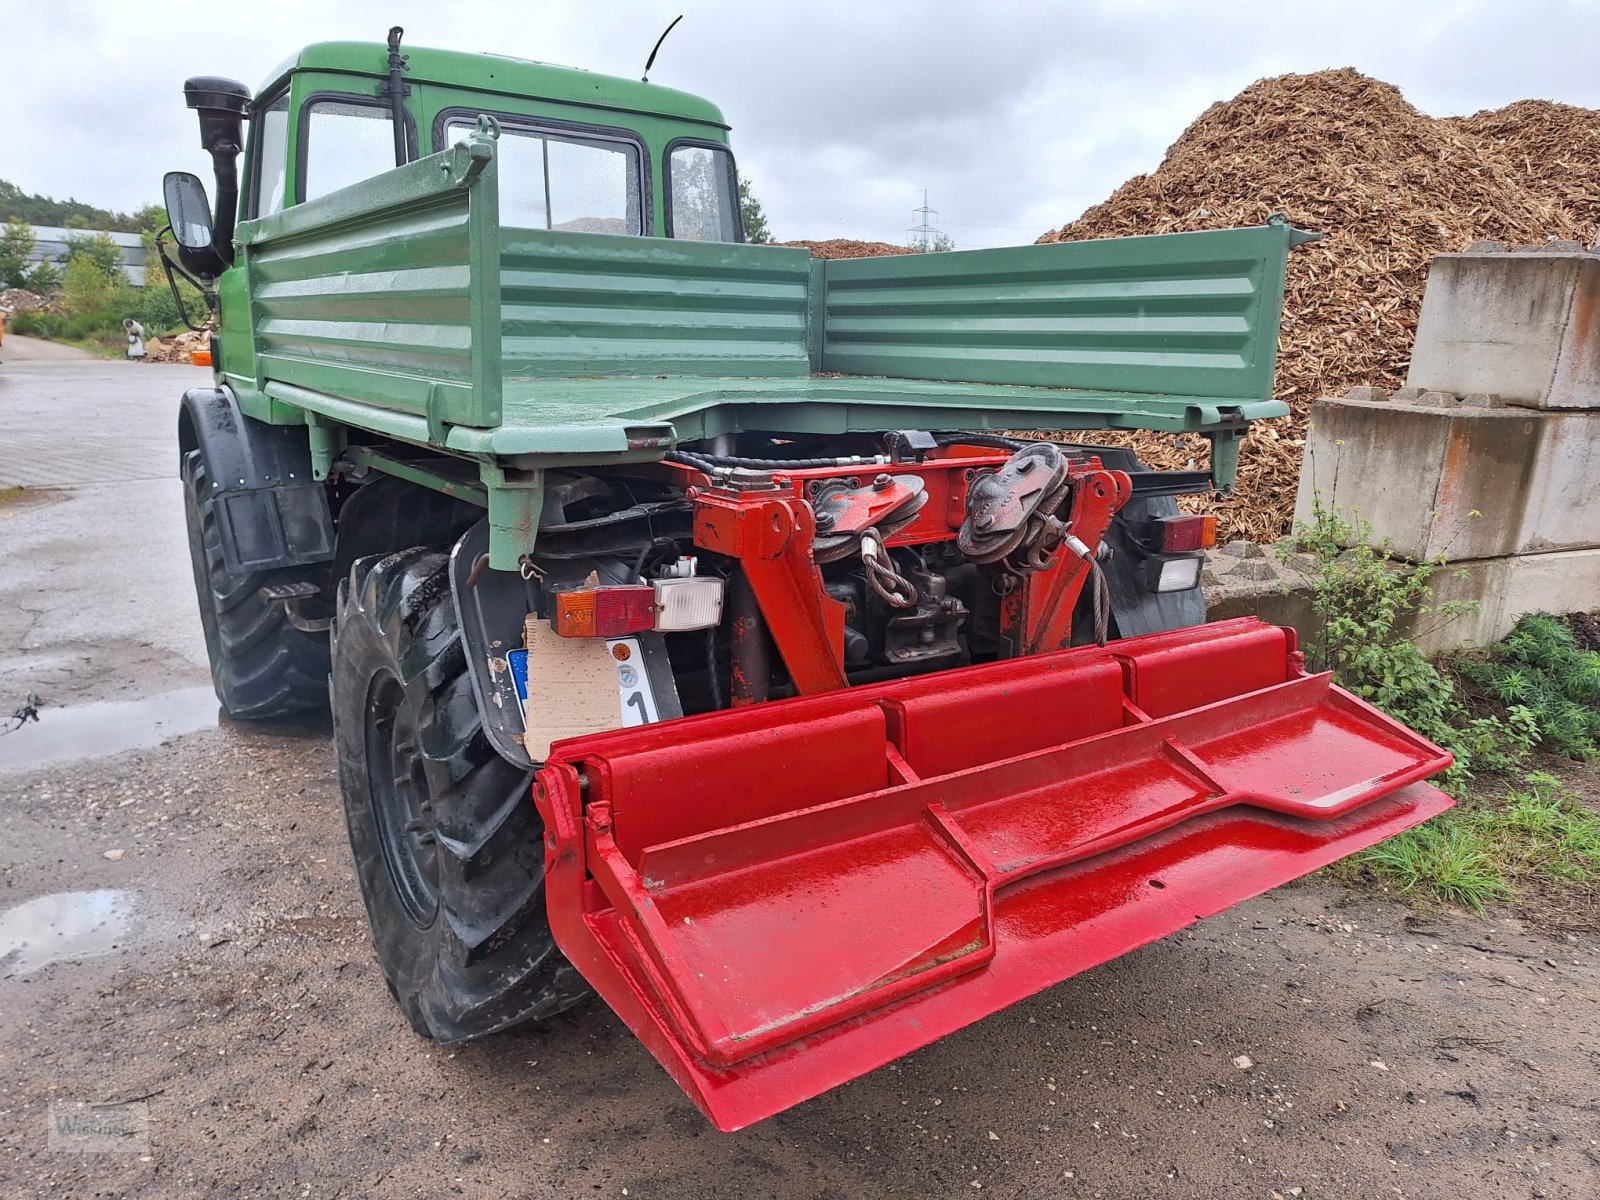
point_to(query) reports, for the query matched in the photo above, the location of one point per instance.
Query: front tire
(448, 846)
(262, 667)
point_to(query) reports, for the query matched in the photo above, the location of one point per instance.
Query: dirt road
(213, 974)
(18, 349)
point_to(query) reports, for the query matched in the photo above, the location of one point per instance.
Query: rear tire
(261, 666)
(448, 845)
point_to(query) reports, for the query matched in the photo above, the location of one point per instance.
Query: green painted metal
(584, 304)
(386, 292)
(516, 498)
(434, 475)
(501, 76)
(1186, 313)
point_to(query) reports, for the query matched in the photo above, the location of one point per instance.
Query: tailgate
(780, 898)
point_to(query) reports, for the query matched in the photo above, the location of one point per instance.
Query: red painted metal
(1038, 615)
(780, 898)
(769, 530)
(945, 474)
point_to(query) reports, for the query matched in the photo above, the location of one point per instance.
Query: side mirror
(188, 210)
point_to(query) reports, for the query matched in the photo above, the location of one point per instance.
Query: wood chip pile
(1346, 156)
(848, 248)
(1550, 149)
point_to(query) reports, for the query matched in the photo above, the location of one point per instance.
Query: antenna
(926, 236)
(651, 61)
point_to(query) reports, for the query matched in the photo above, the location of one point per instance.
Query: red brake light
(606, 612)
(1175, 534)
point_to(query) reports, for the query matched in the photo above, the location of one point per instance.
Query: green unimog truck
(751, 639)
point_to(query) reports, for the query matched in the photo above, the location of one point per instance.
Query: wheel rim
(401, 806)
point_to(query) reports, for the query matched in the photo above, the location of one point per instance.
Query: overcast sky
(1014, 116)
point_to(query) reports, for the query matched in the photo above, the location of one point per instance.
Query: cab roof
(503, 75)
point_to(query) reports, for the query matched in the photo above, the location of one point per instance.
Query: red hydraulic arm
(769, 530)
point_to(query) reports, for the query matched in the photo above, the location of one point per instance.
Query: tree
(94, 275)
(84, 288)
(17, 245)
(934, 243)
(42, 210)
(150, 219)
(100, 251)
(755, 221)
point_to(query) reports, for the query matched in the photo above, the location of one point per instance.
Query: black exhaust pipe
(221, 105)
(396, 90)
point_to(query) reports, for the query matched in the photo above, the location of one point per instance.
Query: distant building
(50, 245)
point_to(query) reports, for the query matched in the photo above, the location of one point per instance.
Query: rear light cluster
(1174, 544)
(665, 606)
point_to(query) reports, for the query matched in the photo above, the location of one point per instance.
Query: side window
(344, 143)
(572, 183)
(272, 156)
(702, 195)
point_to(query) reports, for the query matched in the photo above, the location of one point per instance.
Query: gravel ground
(1390, 1053)
(1318, 1041)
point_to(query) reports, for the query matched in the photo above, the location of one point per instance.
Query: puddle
(107, 727)
(62, 926)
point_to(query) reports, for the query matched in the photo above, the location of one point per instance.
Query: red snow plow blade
(780, 898)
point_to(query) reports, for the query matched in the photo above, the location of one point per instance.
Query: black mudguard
(270, 512)
(1135, 609)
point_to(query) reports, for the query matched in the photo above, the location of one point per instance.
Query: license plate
(636, 700)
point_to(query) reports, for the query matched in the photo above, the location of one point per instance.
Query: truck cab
(579, 152)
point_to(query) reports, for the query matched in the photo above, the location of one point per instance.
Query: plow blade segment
(779, 898)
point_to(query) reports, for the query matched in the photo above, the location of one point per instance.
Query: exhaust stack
(221, 105)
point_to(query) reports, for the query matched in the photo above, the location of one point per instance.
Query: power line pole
(925, 236)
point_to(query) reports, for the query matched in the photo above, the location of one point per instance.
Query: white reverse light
(1177, 574)
(684, 604)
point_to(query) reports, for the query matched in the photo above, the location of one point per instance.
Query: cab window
(702, 194)
(272, 157)
(343, 141)
(553, 179)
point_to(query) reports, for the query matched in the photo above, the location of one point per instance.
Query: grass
(1493, 847)
(8, 494)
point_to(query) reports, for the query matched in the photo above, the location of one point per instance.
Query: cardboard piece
(572, 688)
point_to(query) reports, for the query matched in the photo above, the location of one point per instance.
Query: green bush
(37, 324)
(85, 288)
(153, 306)
(1369, 608)
(1546, 680)
(99, 252)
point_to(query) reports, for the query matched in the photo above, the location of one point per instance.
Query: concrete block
(1366, 393)
(1417, 472)
(1254, 583)
(1521, 325)
(1504, 590)
(1499, 591)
